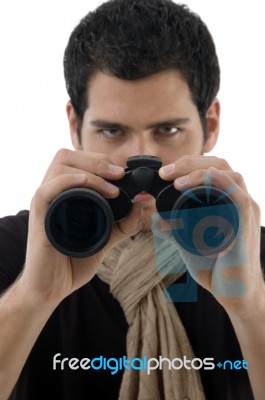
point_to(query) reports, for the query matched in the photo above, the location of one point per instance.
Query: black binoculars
(204, 220)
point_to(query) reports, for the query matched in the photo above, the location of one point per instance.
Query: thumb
(127, 227)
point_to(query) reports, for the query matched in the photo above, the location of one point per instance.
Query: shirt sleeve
(13, 243)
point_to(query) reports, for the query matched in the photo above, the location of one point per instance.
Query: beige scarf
(137, 280)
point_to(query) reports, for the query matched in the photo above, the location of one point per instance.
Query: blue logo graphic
(205, 228)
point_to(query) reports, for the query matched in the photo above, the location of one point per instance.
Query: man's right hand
(50, 276)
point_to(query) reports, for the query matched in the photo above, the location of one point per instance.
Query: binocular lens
(205, 221)
(78, 223)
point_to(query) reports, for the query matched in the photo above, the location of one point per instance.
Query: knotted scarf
(138, 271)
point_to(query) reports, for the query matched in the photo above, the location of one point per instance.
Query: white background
(33, 36)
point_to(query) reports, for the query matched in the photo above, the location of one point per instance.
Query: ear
(73, 125)
(212, 124)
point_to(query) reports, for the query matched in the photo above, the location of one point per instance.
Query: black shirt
(90, 323)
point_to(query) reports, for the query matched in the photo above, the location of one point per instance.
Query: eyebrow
(101, 123)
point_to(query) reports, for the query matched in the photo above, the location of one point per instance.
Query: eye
(169, 130)
(110, 132)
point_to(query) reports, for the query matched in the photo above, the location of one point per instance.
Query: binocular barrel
(204, 220)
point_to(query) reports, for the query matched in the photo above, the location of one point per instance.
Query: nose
(142, 144)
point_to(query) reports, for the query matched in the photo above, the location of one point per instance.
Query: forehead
(162, 91)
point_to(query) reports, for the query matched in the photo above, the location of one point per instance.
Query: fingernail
(168, 169)
(80, 177)
(111, 188)
(115, 169)
(182, 180)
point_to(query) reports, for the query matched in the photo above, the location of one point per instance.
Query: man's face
(150, 116)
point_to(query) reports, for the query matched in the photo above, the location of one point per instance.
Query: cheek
(195, 142)
(90, 143)
(191, 144)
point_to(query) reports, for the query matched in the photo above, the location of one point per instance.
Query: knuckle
(247, 202)
(224, 164)
(211, 157)
(62, 156)
(58, 170)
(256, 208)
(98, 165)
(38, 198)
(39, 193)
(238, 178)
(186, 162)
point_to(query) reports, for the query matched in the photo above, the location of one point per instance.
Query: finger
(48, 191)
(240, 196)
(204, 177)
(128, 227)
(94, 182)
(187, 164)
(223, 180)
(96, 163)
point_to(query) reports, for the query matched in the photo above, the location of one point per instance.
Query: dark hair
(131, 39)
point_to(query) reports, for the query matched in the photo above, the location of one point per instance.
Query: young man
(142, 77)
